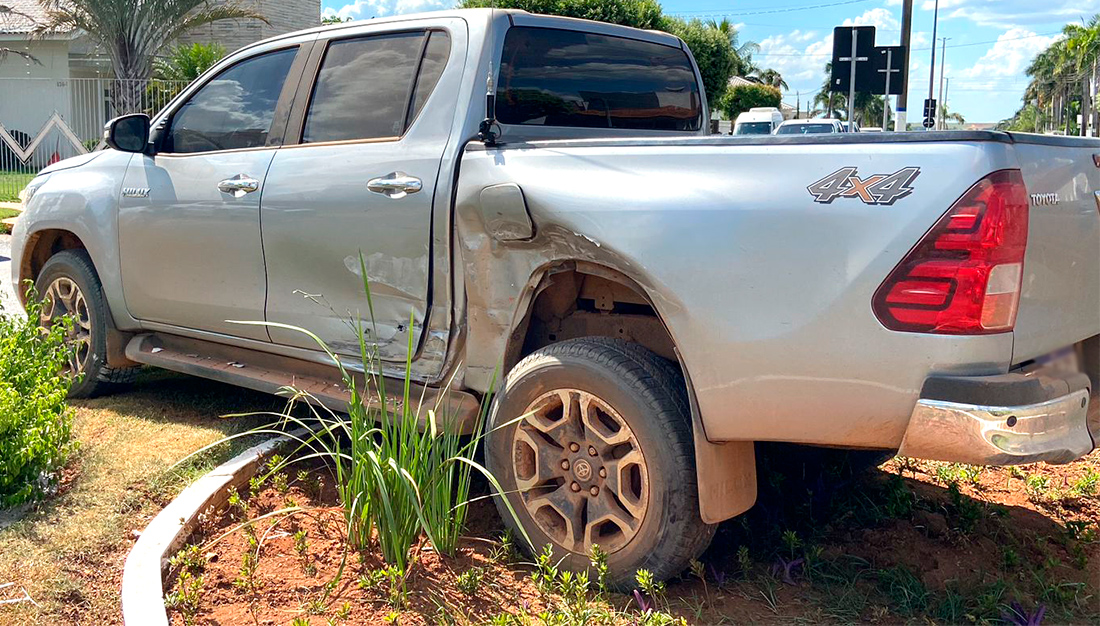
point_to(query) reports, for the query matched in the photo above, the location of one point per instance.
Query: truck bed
(774, 322)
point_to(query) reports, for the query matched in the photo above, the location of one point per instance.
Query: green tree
(741, 98)
(713, 52)
(634, 13)
(1028, 119)
(744, 64)
(327, 20)
(187, 63)
(771, 77)
(867, 109)
(134, 32)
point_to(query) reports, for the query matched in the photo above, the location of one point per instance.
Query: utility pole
(932, 64)
(943, 61)
(946, 88)
(903, 97)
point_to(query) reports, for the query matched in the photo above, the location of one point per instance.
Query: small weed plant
(35, 422)
(469, 582)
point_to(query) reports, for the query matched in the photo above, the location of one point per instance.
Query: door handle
(395, 185)
(239, 185)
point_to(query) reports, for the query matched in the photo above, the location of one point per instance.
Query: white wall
(30, 93)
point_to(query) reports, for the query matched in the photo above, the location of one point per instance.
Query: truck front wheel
(593, 445)
(69, 286)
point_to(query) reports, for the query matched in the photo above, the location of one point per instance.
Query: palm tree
(743, 51)
(1083, 48)
(771, 78)
(867, 107)
(134, 32)
(7, 13)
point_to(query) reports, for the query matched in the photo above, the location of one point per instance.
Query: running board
(271, 373)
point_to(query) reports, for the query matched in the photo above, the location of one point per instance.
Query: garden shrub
(35, 423)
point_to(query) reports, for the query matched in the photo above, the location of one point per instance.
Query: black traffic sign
(842, 57)
(887, 60)
(929, 108)
(929, 122)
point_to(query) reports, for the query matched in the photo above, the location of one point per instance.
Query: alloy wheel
(580, 471)
(64, 298)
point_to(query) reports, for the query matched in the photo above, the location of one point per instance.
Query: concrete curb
(142, 578)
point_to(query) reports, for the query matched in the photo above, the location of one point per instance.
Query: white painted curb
(142, 579)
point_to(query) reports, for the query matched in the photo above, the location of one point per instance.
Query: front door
(360, 182)
(189, 217)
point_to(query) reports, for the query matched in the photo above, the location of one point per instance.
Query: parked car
(870, 129)
(850, 127)
(758, 121)
(658, 299)
(809, 127)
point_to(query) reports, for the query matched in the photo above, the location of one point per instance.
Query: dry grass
(68, 552)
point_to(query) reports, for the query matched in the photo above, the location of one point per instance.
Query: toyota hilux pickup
(541, 194)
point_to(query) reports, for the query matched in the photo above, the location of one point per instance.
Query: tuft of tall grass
(402, 471)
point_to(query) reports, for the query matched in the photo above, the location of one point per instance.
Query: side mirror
(128, 133)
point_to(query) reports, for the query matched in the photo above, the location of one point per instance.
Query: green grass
(11, 183)
(67, 551)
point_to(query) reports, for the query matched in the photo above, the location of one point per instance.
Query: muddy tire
(68, 285)
(604, 454)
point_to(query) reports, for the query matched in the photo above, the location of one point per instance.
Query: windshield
(753, 128)
(804, 129)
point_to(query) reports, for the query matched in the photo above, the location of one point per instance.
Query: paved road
(8, 303)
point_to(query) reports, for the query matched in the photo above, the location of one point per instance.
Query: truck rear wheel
(603, 455)
(68, 285)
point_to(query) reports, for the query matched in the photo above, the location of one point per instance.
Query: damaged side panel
(762, 289)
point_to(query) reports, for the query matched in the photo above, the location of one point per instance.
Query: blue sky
(990, 42)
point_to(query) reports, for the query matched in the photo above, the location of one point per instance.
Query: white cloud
(1007, 13)
(880, 17)
(1009, 56)
(366, 9)
(800, 56)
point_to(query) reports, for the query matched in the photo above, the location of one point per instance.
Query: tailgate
(1060, 300)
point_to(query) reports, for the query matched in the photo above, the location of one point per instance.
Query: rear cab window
(563, 78)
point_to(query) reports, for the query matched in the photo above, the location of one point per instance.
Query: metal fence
(44, 120)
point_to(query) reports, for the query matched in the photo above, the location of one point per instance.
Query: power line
(960, 45)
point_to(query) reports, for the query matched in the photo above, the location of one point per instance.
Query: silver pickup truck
(541, 194)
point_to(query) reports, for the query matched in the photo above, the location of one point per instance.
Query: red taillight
(963, 278)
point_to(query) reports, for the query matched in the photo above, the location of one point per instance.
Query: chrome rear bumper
(1044, 419)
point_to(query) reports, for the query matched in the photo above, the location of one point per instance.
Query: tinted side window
(362, 90)
(554, 77)
(431, 68)
(235, 109)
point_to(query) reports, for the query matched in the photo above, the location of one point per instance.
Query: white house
(70, 76)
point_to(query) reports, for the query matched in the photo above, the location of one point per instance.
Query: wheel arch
(575, 298)
(42, 245)
(39, 247)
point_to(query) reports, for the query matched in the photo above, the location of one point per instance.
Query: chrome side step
(270, 373)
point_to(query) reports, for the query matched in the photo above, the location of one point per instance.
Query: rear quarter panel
(767, 293)
(1060, 297)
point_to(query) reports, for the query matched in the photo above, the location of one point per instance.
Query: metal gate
(44, 120)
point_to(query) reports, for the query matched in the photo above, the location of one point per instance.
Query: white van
(758, 121)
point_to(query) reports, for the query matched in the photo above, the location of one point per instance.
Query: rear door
(1060, 299)
(369, 133)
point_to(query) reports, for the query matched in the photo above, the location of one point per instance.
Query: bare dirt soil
(828, 542)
